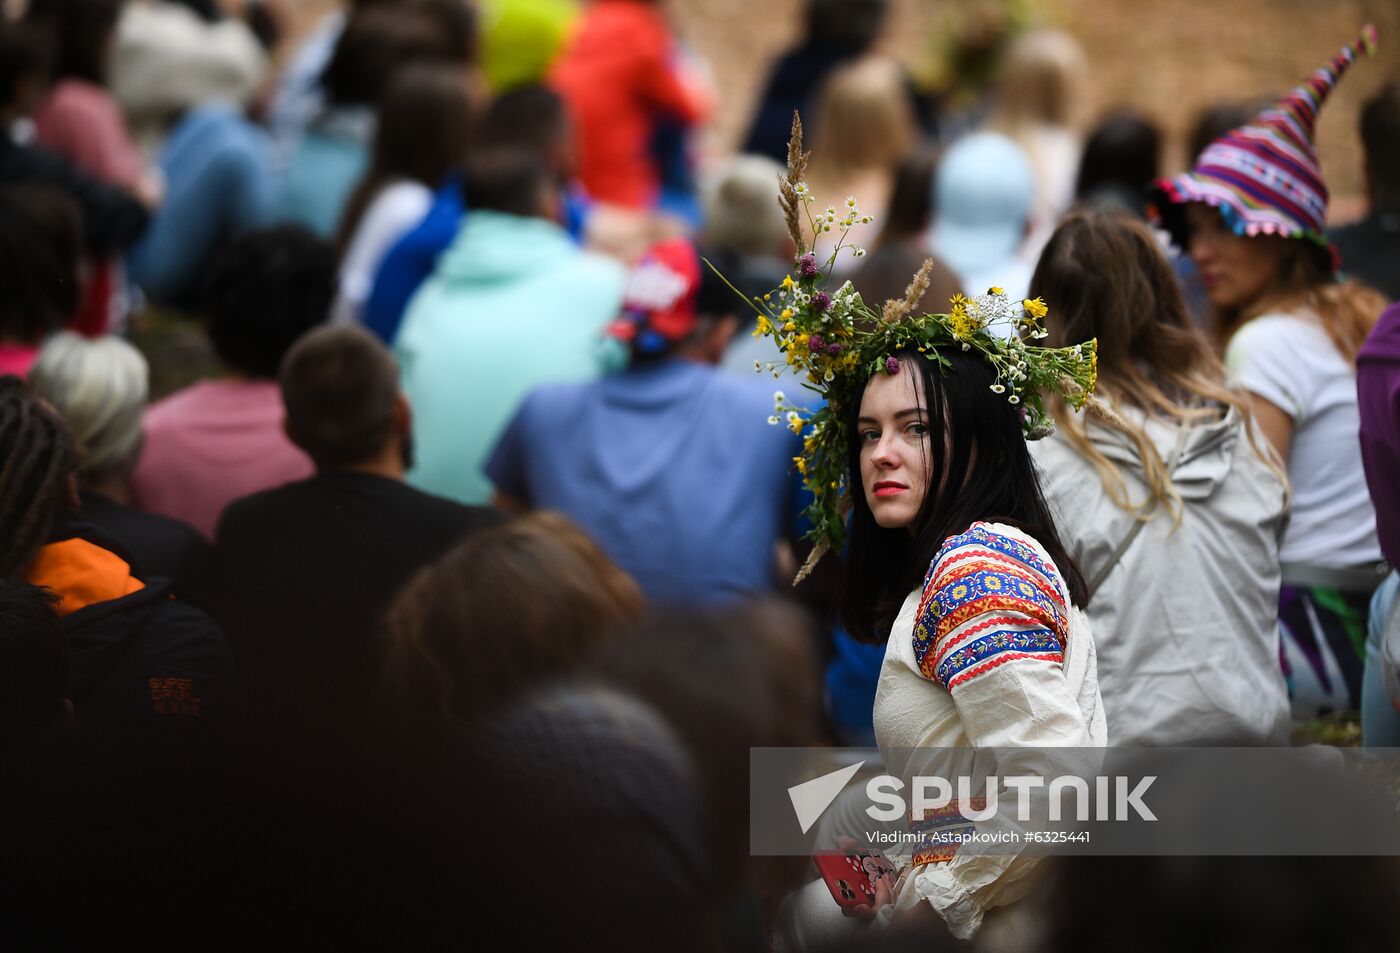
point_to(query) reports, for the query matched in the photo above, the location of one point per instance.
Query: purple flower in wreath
(815, 343)
(807, 266)
(821, 302)
(891, 365)
(833, 349)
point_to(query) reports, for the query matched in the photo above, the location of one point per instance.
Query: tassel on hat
(1265, 177)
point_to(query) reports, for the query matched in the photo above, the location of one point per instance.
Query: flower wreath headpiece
(839, 342)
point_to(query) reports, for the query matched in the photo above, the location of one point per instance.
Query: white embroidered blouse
(989, 654)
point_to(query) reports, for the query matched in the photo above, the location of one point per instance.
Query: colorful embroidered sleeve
(989, 600)
(993, 628)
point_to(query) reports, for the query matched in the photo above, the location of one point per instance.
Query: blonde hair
(1104, 276)
(864, 121)
(99, 387)
(1042, 82)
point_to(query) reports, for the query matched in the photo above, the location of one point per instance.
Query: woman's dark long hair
(985, 471)
(426, 121)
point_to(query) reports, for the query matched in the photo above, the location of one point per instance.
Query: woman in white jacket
(1169, 504)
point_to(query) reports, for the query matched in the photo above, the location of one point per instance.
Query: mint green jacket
(513, 304)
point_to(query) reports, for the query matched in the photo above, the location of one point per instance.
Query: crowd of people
(452, 604)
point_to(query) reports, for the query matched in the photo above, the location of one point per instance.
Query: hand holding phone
(854, 876)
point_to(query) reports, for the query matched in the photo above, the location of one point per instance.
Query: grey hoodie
(1186, 621)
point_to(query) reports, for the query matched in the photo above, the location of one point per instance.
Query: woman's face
(895, 456)
(1236, 270)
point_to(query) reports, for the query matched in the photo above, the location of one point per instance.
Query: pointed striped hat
(1264, 177)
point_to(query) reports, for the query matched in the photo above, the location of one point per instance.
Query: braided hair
(36, 461)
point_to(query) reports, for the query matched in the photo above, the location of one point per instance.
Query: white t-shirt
(1291, 362)
(393, 212)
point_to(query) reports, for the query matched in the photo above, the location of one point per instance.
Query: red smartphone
(851, 875)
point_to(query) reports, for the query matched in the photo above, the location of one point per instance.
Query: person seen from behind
(668, 464)
(305, 571)
(140, 659)
(99, 387)
(220, 439)
(514, 303)
(1162, 499)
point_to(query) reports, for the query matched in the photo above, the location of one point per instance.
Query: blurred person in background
(597, 774)
(621, 74)
(744, 224)
(865, 127)
(901, 245)
(983, 199)
(305, 571)
(756, 662)
(333, 152)
(1041, 98)
(112, 218)
(962, 85)
(669, 464)
(834, 32)
(1291, 330)
(194, 79)
(528, 117)
(514, 303)
(742, 216)
(218, 184)
(80, 120)
(521, 39)
(33, 664)
(41, 280)
(1378, 395)
(1162, 500)
(170, 56)
(220, 439)
(505, 611)
(139, 658)
(99, 386)
(78, 117)
(299, 95)
(1119, 164)
(1370, 248)
(427, 123)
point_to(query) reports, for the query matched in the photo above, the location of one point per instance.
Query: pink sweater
(210, 444)
(81, 121)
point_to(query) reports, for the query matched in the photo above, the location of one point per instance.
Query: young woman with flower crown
(951, 555)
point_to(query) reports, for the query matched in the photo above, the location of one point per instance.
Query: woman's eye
(869, 436)
(918, 430)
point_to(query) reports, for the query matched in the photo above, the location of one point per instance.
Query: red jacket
(617, 74)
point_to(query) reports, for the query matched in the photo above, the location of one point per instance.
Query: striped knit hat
(1264, 177)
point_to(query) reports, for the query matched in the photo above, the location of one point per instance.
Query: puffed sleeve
(993, 630)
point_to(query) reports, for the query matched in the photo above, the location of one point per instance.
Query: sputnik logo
(811, 798)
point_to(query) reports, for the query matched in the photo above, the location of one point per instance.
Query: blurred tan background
(1167, 58)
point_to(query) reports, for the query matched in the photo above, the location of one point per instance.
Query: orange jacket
(617, 75)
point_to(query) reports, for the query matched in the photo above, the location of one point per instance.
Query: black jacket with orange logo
(139, 655)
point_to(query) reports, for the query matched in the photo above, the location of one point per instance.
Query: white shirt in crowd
(1291, 362)
(394, 212)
